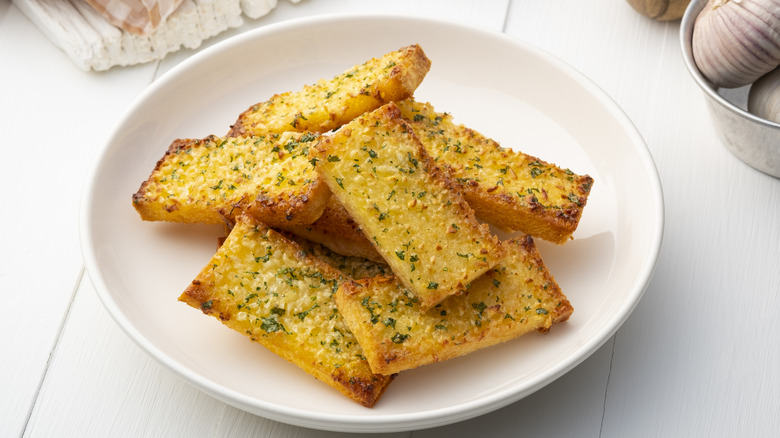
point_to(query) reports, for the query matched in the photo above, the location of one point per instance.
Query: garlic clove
(764, 96)
(737, 41)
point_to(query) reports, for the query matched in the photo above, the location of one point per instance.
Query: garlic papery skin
(661, 10)
(764, 96)
(736, 42)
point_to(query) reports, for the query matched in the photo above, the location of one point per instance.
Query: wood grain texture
(580, 394)
(52, 128)
(489, 15)
(97, 376)
(698, 357)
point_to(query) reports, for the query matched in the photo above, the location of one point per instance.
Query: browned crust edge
(300, 209)
(401, 85)
(392, 114)
(364, 391)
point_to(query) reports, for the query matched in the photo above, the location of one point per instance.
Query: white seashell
(736, 42)
(764, 96)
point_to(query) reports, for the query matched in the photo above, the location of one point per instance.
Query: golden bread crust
(516, 297)
(406, 206)
(328, 104)
(512, 190)
(381, 264)
(336, 230)
(354, 267)
(267, 287)
(214, 179)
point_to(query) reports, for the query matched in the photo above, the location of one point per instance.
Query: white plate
(504, 88)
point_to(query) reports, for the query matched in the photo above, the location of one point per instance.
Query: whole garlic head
(736, 42)
(764, 96)
(661, 10)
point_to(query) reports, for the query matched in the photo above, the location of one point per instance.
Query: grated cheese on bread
(336, 230)
(266, 287)
(328, 104)
(353, 267)
(406, 206)
(516, 297)
(513, 190)
(212, 180)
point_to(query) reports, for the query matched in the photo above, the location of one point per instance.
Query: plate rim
(391, 422)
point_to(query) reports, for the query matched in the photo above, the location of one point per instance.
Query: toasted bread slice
(407, 206)
(514, 298)
(266, 287)
(212, 180)
(351, 266)
(328, 104)
(510, 189)
(336, 230)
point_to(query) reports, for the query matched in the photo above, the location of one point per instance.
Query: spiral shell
(736, 42)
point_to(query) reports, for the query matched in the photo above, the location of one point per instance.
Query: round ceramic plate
(516, 94)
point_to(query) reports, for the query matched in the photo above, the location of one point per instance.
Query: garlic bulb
(737, 41)
(764, 96)
(661, 10)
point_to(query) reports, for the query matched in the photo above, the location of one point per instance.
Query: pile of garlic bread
(358, 242)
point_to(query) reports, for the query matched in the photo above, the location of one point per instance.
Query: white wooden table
(700, 355)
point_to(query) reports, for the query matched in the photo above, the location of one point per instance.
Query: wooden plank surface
(54, 119)
(698, 357)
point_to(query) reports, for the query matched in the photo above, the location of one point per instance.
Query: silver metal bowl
(754, 140)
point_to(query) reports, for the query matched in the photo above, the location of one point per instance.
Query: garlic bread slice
(266, 287)
(513, 190)
(212, 180)
(516, 297)
(328, 104)
(338, 231)
(406, 206)
(354, 267)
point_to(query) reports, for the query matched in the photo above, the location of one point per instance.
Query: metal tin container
(754, 140)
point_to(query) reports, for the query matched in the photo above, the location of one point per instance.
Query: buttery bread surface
(338, 231)
(214, 179)
(354, 267)
(266, 287)
(516, 297)
(510, 189)
(406, 206)
(328, 104)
